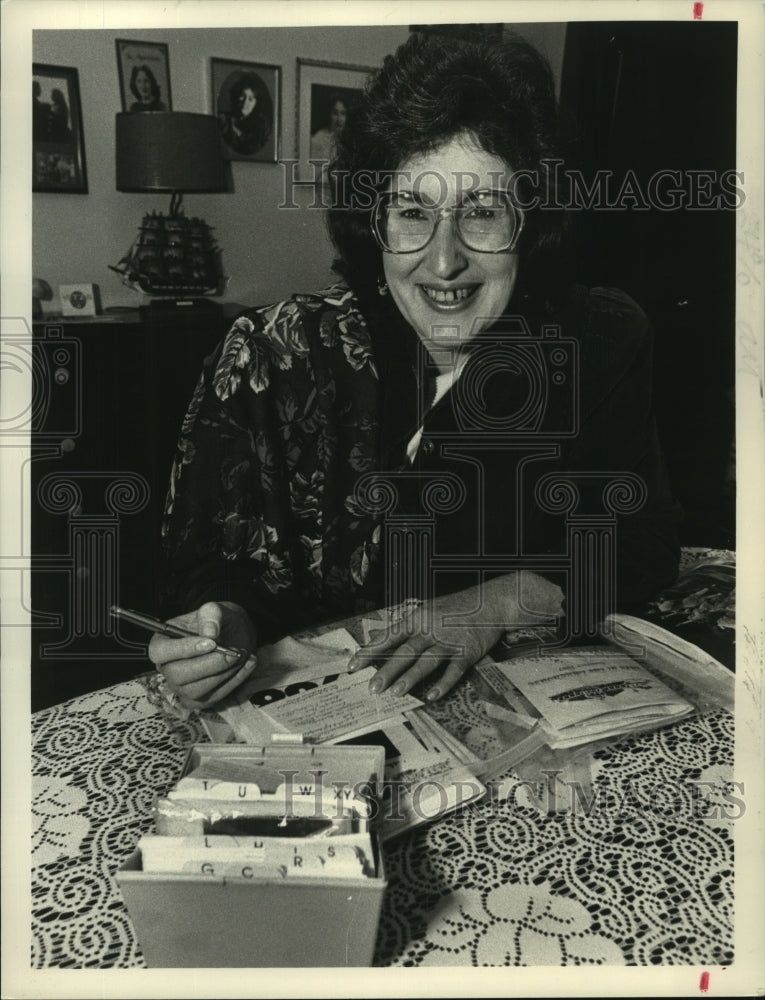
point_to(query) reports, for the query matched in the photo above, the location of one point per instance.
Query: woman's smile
(449, 298)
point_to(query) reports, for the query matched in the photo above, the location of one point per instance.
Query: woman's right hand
(198, 676)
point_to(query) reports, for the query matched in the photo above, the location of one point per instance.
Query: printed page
(419, 789)
(707, 680)
(324, 713)
(579, 687)
(285, 669)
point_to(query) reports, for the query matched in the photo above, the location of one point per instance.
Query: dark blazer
(292, 493)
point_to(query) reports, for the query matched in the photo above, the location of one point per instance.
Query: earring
(382, 286)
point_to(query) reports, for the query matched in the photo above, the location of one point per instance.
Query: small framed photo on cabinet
(78, 300)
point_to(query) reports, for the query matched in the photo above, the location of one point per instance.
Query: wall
(550, 39)
(267, 253)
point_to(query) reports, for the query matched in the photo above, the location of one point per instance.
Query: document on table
(586, 693)
(290, 660)
(320, 714)
(284, 669)
(706, 680)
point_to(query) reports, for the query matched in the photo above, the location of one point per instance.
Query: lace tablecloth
(646, 878)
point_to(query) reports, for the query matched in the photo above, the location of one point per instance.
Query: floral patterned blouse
(291, 467)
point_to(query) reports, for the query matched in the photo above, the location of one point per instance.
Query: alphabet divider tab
(290, 796)
(344, 856)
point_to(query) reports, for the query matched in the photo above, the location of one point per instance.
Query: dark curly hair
(431, 89)
(250, 81)
(143, 68)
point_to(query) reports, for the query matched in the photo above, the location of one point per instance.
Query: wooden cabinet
(113, 395)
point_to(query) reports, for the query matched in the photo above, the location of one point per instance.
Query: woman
(58, 121)
(145, 89)
(247, 125)
(414, 431)
(324, 140)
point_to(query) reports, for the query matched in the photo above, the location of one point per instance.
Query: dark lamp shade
(169, 151)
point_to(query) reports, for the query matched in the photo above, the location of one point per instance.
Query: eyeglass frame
(443, 213)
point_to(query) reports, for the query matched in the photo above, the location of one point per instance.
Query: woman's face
(143, 85)
(447, 292)
(337, 116)
(247, 101)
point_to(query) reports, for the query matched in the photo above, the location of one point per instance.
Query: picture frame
(246, 98)
(322, 88)
(144, 74)
(79, 300)
(58, 146)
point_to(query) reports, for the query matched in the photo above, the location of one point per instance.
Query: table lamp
(178, 152)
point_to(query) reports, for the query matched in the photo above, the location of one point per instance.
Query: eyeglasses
(487, 221)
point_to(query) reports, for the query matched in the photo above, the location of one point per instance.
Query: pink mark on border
(698, 11)
(704, 981)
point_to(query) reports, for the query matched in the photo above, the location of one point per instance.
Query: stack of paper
(711, 683)
(577, 695)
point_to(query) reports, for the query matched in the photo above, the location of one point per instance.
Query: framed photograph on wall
(326, 91)
(246, 97)
(144, 72)
(58, 148)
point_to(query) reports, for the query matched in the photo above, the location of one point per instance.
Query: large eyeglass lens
(486, 222)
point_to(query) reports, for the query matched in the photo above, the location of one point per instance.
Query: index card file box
(200, 921)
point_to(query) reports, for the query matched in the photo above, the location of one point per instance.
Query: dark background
(640, 96)
(650, 97)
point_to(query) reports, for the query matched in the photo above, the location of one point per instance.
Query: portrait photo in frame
(58, 148)
(144, 74)
(246, 98)
(326, 91)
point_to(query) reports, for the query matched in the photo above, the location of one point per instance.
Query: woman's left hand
(448, 635)
(427, 641)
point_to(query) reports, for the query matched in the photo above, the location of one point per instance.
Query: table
(646, 878)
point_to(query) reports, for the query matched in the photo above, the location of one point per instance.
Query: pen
(164, 628)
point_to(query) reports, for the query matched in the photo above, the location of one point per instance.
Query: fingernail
(433, 694)
(231, 657)
(353, 664)
(375, 685)
(398, 689)
(209, 628)
(205, 645)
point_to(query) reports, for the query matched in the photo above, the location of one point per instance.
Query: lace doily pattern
(637, 872)
(643, 875)
(98, 762)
